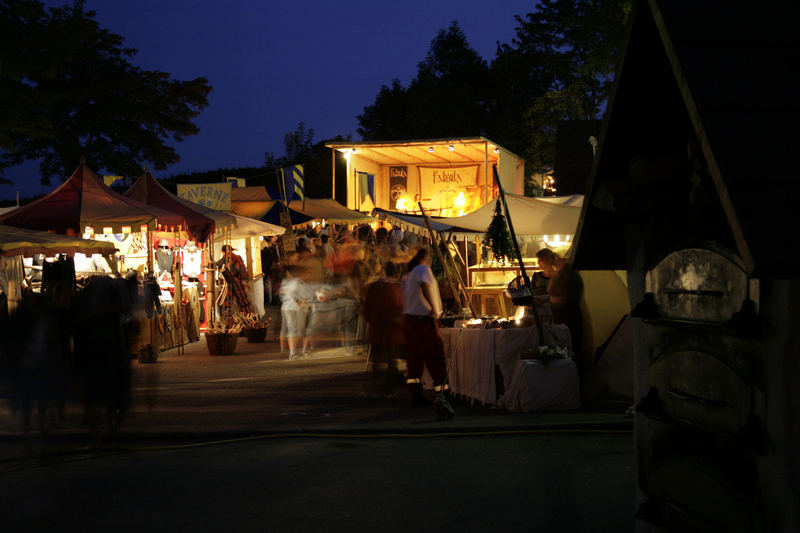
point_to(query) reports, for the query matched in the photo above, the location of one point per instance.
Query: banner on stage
(444, 187)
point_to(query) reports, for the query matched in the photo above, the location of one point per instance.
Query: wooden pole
(435, 245)
(211, 285)
(151, 349)
(486, 171)
(333, 173)
(525, 277)
(452, 264)
(177, 282)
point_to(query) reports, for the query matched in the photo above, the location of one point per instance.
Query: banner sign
(398, 184)
(440, 186)
(287, 239)
(293, 182)
(214, 195)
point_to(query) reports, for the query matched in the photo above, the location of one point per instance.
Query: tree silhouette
(69, 91)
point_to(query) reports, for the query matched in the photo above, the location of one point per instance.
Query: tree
(571, 46)
(447, 98)
(497, 237)
(390, 117)
(68, 90)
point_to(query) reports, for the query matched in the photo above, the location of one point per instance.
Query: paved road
(537, 482)
(350, 463)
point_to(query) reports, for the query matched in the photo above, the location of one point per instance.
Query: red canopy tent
(85, 201)
(147, 190)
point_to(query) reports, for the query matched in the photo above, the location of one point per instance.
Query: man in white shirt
(424, 346)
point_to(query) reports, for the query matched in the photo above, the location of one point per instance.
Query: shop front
(449, 177)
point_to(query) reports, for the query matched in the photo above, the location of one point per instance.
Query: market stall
(16, 243)
(245, 240)
(538, 223)
(84, 206)
(178, 262)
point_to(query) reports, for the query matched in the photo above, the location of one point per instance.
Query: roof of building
(425, 151)
(574, 153)
(726, 76)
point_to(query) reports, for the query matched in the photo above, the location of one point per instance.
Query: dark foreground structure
(697, 174)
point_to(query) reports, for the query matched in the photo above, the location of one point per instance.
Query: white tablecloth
(536, 387)
(473, 353)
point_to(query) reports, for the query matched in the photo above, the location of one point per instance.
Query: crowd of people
(354, 289)
(361, 288)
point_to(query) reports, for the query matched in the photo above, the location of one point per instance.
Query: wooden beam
(441, 258)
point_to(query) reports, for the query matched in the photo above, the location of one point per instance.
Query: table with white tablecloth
(472, 354)
(536, 386)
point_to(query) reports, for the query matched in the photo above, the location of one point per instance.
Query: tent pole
(333, 173)
(486, 171)
(452, 263)
(151, 349)
(525, 277)
(211, 286)
(177, 282)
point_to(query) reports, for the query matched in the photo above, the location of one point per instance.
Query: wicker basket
(519, 293)
(256, 334)
(221, 343)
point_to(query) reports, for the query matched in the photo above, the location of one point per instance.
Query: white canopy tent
(530, 216)
(18, 242)
(243, 239)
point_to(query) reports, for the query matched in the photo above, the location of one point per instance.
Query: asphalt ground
(191, 396)
(253, 441)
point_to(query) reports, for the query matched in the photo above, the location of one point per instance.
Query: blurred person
(395, 237)
(327, 247)
(382, 247)
(383, 311)
(316, 246)
(303, 236)
(564, 291)
(303, 247)
(102, 349)
(295, 300)
(541, 278)
(34, 357)
(270, 255)
(424, 347)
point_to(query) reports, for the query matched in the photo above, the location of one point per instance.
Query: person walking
(295, 299)
(383, 312)
(424, 346)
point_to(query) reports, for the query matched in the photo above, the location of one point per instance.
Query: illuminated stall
(448, 176)
(538, 223)
(19, 243)
(177, 257)
(84, 206)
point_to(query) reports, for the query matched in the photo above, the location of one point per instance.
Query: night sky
(275, 64)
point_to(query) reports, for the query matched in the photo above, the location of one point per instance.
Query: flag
(109, 180)
(293, 183)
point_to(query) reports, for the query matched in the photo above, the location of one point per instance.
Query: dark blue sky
(275, 64)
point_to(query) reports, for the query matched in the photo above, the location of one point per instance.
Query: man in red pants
(424, 346)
